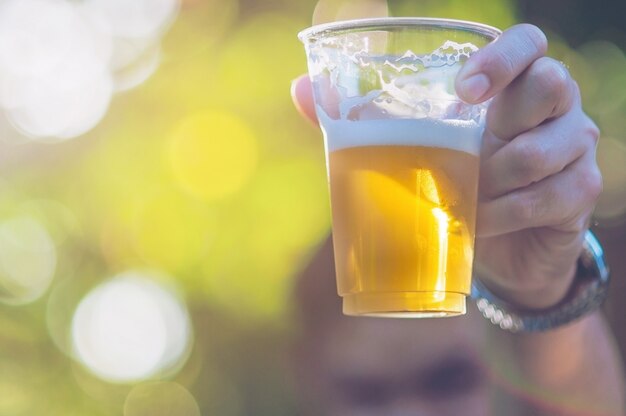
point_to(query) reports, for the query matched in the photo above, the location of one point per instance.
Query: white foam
(461, 135)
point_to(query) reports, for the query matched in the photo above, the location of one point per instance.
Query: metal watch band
(589, 290)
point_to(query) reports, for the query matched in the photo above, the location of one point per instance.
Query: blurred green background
(147, 254)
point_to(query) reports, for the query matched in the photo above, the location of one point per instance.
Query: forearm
(574, 370)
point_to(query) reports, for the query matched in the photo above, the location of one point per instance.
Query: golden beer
(403, 228)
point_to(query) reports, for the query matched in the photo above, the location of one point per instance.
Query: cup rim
(315, 32)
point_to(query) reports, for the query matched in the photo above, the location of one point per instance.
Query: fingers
(302, 96)
(558, 201)
(540, 167)
(544, 91)
(496, 65)
(537, 154)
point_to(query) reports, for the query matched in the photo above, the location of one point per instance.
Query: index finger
(496, 65)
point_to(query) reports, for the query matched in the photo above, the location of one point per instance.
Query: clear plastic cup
(402, 153)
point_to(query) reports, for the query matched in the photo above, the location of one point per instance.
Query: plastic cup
(402, 154)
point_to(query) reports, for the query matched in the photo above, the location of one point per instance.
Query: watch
(589, 290)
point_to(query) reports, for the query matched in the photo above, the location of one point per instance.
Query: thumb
(302, 96)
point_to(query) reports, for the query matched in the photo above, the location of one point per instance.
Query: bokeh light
(53, 64)
(60, 307)
(60, 61)
(139, 69)
(131, 328)
(608, 64)
(132, 19)
(259, 61)
(37, 35)
(60, 222)
(611, 207)
(160, 399)
(170, 231)
(281, 217)
(213, 154)
(57, 110)
(191, 161)
(28, 260)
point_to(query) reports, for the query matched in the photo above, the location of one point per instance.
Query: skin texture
(539, 183)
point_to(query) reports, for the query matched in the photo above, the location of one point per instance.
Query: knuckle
(592, 130)
(500, 62)
(575, 90)
(591, 183)
(524, 44)
(525, 208)
(535, 37)
(552, 83)
(529, 159)
(580, 224)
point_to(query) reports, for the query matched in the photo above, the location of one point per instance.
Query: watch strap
(589, 290)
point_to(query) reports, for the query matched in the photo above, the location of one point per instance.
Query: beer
(403, 208)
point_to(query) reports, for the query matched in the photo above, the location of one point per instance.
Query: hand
(539, 179)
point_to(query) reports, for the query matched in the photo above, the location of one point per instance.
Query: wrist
(587, 292)
(536, 297)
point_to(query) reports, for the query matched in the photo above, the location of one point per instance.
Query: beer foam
(461, 135)
(366, 99)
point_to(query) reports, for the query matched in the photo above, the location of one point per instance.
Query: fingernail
(474, 87)
(294, 85)
(299, 78)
